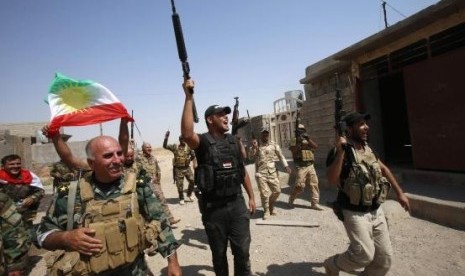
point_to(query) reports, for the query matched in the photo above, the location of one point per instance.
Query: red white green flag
(81, 102)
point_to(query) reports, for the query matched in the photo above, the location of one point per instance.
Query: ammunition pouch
(358, 187)
(65, 263)
(384, 189)
(365, 184)
(307, 155)
(152, 233)
(180, 161)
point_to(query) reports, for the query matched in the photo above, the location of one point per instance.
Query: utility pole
(384, 13)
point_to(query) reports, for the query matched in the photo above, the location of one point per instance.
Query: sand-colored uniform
(151, 167)
(266, 173)
(303, 156)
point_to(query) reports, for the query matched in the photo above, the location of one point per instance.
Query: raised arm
(187, 119)
(333, 171)
(65, 153)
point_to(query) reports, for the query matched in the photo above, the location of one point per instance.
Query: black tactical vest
(219, 173)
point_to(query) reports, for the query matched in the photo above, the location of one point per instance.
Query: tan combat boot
(290, 203)
(316, 206)
(330, 267)
(273, 211)
(266, 214)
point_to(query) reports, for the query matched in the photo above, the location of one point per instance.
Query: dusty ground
(420, 247)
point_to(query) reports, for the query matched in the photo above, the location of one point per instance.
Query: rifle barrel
(182, 53)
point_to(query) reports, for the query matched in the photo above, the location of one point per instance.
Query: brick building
(409, 78)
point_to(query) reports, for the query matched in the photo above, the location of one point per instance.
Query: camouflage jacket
(182, 155)
(18, 193)
(150, 165)
(14, 240)
(265, 156)
(149, 206)
(62, 174)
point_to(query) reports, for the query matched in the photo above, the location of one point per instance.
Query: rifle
(339, 127)
(182, 53)
(297, 132)
(250, 126)
(338, 111)
(235, 118)
(131, 140)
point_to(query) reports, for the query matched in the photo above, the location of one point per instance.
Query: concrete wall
(317, 112)
(46, 154)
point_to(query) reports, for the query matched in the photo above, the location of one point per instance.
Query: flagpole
(101, 129)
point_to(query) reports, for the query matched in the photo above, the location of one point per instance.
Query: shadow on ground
(191, 235)
(292, 269)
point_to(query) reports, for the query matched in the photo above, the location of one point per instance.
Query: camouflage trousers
(179, 175)
(161, 197)
(269, 187)
(306, 176)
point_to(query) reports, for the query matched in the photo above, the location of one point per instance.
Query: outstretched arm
(401, 197)
(187, 119)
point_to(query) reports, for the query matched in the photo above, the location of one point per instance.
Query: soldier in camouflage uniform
(183, 156)
(107, 183)
(62, 175)
(265, 171)
(14, 239)
(149, 163)
(23, 187)
(302, 153)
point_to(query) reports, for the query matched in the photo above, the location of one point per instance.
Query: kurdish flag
(81, 103)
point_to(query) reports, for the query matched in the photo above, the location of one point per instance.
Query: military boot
(290, 203)
(273, 211)
(266, 214)
(316, 206)
(330, 267)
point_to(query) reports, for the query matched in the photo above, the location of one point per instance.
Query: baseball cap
(214, 109)
(354, 117)
(300, 126)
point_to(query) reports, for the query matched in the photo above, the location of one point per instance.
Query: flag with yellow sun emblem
(81, 102)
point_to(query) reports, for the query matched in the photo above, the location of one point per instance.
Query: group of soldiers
(264, 154)
(109, 210)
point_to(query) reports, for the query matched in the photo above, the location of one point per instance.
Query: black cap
(355, 117)
(214, 109)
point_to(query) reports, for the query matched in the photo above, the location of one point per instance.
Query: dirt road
(420, 247)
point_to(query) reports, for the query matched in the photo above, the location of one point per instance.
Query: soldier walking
(265, 171)
(363, 183)
(183, 156)
(302, 153)
(149, 163)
